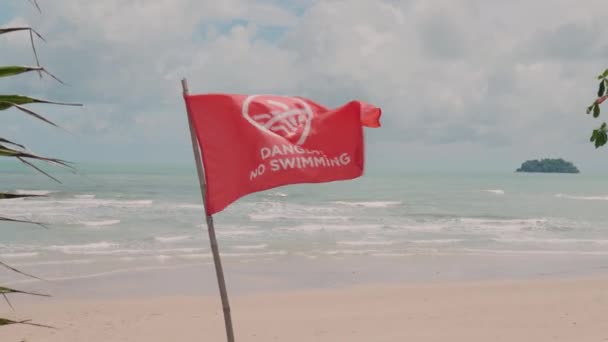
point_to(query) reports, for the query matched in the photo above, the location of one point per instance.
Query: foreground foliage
(599, 136)
(14, 150)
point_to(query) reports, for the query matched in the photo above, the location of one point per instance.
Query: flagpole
(210, 226)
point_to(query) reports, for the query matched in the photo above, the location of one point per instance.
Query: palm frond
(21, 28)
(7, 290)
(13, 70)
(18, 271)
(6, 195)
(5, 321)
(8, 219)
(6, 141)
(35, 3)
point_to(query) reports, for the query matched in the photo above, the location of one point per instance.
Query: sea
(110, 218)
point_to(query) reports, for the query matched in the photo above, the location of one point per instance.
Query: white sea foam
(493, 225)
(365, 243)
(180, 250)
(436, 241)
(532, 252)
(352, 251)
(314, 228)
(34, 192)
(170, 239)
(251, 247)
(163, 258)
(423, 227)
(195, 256)
(18, 255)
(70, 249)
(551, 241)
(86, 196)
(100, 223)
(583, 198)
(54, 263)
(495, 191)
(236, 233)
(253, 254)
(278, 216)
(370, 204)
(109, 252)
(191, 206)
(96, 203)
(276, 194)
(390, 254)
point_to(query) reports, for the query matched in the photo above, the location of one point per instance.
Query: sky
(463, 84)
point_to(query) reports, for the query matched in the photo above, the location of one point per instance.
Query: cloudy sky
(464, 84)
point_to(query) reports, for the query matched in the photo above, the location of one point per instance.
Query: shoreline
(295, 274)
(570, 309)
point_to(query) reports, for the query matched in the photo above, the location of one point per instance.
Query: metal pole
(210, 227)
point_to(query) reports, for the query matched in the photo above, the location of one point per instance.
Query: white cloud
(486, 73)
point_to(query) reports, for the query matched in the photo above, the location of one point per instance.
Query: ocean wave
(34, 192)
(194, 256)
(313, 228)
(495, 191)
(163, 258)
(276, 194)
(253, 254)
(370, 204)
(365, 243)
(532, 252)
(436, 241)
(352, 251)
(85, 196)
(70, 249)
(390, 254)
(251, 247)
(191, 206)
(54, 263)
(286, 216)
(181, 250)
(551, 241)
(102, 252)
(18, 255)
(423, 227)
(583, 198)
(171, 239)
(100, 223)
(237, 232)
(514, 225)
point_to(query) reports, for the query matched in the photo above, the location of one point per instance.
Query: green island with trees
(548, 166)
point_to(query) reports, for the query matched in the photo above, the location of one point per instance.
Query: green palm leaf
(6, 290)
(5, 195)
(2, 140)
(18, 271)
(21, 28)
(22, 156)
(35, 3)
(17, 101)
(7, 219)
(5, 321)
(13, 70)
(23, 100)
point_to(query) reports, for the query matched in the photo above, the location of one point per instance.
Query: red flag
(258, 142)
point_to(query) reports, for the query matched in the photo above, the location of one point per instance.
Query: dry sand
(541, 310)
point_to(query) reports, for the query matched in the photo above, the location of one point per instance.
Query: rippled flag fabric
(251, 143)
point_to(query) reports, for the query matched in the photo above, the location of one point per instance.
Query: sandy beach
(573, 309)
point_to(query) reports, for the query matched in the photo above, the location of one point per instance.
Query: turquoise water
(110, 217)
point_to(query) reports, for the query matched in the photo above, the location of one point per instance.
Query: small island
(548, 166)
